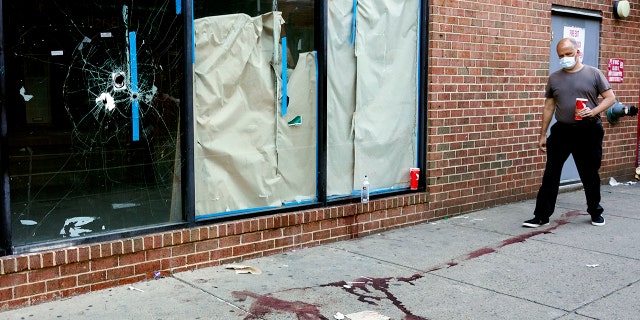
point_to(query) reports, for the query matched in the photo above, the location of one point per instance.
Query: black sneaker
(599, 221)
(535, 222)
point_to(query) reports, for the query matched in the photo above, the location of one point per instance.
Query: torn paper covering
(371, 95)
(341, 98)
(234, 111)
(246, 154)
(385, 119)
(296, 144)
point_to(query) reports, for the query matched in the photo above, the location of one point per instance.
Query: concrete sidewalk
(481, 265)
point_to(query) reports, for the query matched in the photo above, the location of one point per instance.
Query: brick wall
(488, 66)
(621, 39)
(44, 276)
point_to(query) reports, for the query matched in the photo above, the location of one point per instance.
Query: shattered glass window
(93, 100)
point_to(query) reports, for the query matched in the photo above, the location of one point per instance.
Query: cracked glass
(93, 104)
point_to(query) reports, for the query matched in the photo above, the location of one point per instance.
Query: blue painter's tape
(285, 99)
(178, 6)
(233, 213)
(133, 58)
(298, 203)
(135, 119)
(135, 112)
(353, 21)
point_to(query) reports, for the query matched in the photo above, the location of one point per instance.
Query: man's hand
(542, 143)
(587, 112)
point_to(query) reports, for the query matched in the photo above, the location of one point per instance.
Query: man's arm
(609, 98)
(547, 114)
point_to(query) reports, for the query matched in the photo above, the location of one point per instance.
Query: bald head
(571, 42)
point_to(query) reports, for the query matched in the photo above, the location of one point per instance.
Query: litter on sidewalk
(362, 315)
(242, 269)
(614, 183)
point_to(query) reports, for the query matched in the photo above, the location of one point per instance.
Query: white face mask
(567, 62)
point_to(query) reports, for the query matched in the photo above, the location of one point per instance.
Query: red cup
(414, 173)
(580, 104)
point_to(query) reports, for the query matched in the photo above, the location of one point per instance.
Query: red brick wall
(488, 66)
(38, 277)
(621, 39)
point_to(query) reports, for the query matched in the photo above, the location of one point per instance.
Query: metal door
(585, 27)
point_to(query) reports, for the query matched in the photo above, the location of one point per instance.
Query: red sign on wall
(615, 70)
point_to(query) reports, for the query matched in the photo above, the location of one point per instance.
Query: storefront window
(255, 106)
(372, 95)
(255, 148)
(93, 105)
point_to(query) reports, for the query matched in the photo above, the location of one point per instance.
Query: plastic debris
(338, 316)
(157, 275)
(242, 269)
(613, 182)
(593, 265)
(132, 288)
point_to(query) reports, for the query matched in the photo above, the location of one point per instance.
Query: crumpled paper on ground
(242, 269)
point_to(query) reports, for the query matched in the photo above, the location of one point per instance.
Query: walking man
(580, 138)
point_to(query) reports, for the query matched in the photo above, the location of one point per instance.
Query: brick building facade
(487, 64)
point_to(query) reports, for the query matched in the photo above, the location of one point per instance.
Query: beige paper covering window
(247, 155)
(372, 95)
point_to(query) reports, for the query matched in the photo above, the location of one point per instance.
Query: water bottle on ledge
(364, 195)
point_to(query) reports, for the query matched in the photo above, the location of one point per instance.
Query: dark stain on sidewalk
(375, 290)
(265, 304)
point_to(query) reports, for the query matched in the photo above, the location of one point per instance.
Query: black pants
(584, 142)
